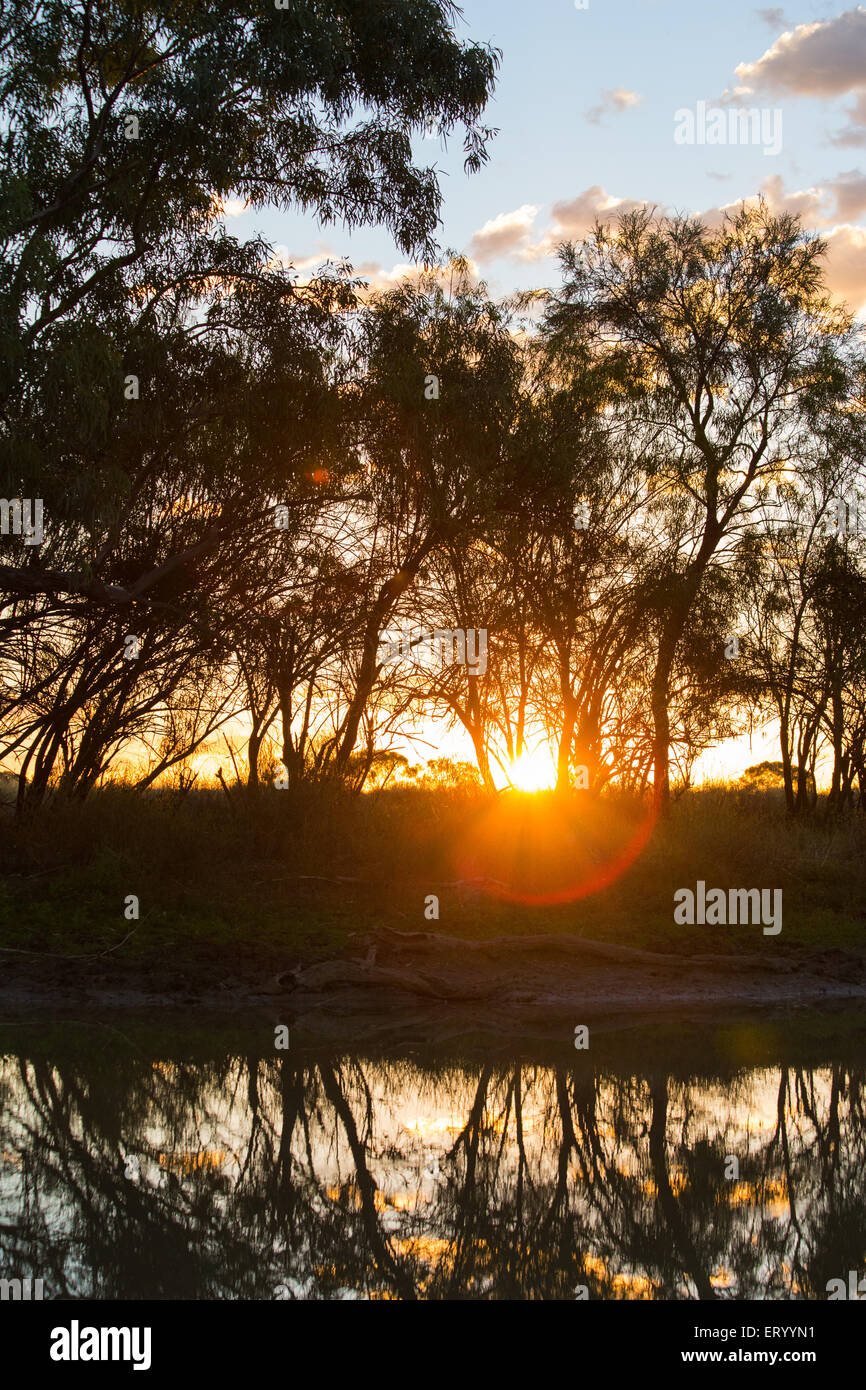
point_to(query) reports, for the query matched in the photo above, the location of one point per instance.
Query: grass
(220, 893)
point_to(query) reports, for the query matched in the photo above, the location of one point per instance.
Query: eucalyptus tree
(126, 129)
(574, 546)
(839, 608)
(198, 492)
(803, 612)
(461, 589)
(733, 352)
(435, 393)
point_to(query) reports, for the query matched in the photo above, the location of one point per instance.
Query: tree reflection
(357, 1177)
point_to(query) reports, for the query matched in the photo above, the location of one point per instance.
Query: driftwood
(330, 973)
(574, 946)
(453, 968)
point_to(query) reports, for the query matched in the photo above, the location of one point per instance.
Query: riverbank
(519, 908)
(429, 988)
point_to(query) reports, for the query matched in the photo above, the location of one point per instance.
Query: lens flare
(548, 849)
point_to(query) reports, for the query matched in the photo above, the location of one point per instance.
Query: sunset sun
(532, 772)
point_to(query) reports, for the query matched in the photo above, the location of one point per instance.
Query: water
(677, 1161)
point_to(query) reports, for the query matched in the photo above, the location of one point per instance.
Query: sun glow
(532, 772)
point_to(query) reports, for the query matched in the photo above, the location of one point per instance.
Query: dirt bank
(435, 985)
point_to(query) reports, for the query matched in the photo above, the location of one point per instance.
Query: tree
(436, 389)
(126, 126)
(732, 351)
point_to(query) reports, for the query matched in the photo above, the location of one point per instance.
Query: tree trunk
(787, 768)
(387, 598)
(253, 749)
(566, 739)
(835, 798)
(661, 721)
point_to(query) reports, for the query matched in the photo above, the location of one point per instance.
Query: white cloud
(504, 235)
(854, 134)
(231, 207)
(829, 207)
(809, 203)
(283, 259)
(846, 265)
(379, 278)
(774, 17)
(849, 191)
(573, 218)
(615, 99)
(826, 59)
(835, 201)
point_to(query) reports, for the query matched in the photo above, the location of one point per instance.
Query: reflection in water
(347, 1177)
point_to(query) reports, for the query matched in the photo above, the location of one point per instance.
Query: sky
(586, 108)
(598, 109)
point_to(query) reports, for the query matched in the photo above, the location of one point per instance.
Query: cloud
(822, 209)
(306, 268)
(573, 218)
(826, 59)
(835, 201)
(230, 207)
(854, 135)
(510, 233)
(818, 208)
(808, 203)
(379, 278)
(615, 99)
(282, 259)
(846, 265)
(774, 18)
(505, 235)
(829, 207)
(849, 191)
